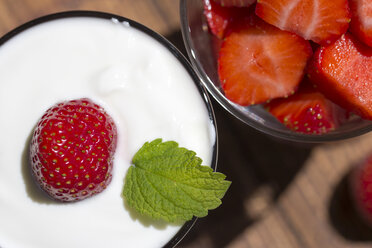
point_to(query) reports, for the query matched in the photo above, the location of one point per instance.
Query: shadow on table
(260, 168)
(343, 215)
(176, 39)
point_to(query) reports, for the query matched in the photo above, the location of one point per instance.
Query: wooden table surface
(283, 194)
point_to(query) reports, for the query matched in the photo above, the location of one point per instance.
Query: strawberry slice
(219, 18)
(307, 111)
(321, 21)
(236, 3)
(361, 20)
(342, 71)
(258, 62)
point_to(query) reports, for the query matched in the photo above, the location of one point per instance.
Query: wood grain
(283, 194)
(160, 15)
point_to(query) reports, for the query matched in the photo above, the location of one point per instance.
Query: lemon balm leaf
(168, 182)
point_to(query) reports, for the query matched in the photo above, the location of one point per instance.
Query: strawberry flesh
(219, 17)
(72, 150)
(307, 111)
(258, 62)
(361, 20)
(236, 3)
(321, 21)
(342, 71)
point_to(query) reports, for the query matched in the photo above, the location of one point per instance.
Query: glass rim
(232, 108)
(186, 227)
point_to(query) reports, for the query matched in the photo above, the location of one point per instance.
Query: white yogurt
(137, 80)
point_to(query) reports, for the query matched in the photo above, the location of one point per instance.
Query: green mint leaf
(169, 183)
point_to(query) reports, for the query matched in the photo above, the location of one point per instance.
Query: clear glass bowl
(199, 44)
(185, 228)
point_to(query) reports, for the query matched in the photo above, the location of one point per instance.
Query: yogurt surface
(140, 84)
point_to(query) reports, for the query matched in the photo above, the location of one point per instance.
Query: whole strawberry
(361, 189)
(72, 150)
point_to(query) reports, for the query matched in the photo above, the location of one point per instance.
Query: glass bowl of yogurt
(201, 49)
(140, 79)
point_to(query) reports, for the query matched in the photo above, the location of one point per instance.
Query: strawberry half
(236, 3)
(321, 21)
(258, 62)
(361, 20)
(72, 150)
(342, 71)
(219, 17)
(307, 111)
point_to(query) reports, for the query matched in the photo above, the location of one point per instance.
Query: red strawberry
(321, 21)
(219, 18)
(236, 3)
(307, 111)
(361, 185)
(361, 20)
(72, 150)
(258, 62)
(342, 71)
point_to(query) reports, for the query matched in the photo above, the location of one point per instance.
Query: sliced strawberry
(307, 111)
(342, 71)
(236, 3)
(361, 20)
(259, 62)
(219, 18)
(321, 21)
